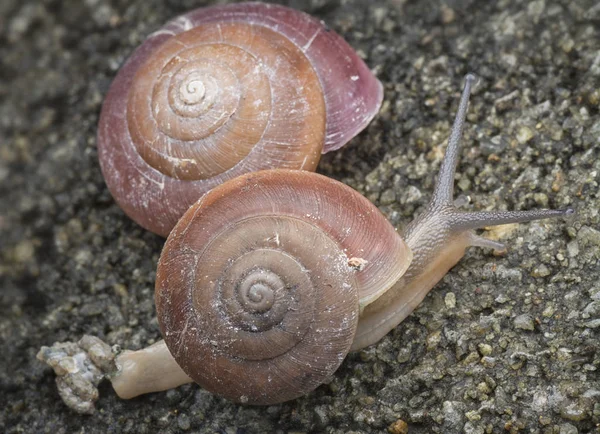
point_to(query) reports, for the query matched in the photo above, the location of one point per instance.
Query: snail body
(224, 91)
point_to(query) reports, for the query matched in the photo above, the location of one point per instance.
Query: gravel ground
(503, 344)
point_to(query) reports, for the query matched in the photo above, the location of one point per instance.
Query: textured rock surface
(502, 344)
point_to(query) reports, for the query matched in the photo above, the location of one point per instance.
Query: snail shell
(223, 91)
(261, 306)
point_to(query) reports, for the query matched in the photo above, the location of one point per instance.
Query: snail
(223, 91)
(263, 306)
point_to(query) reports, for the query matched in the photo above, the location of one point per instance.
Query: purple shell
(352, 97)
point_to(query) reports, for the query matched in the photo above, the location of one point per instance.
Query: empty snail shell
(223, 91)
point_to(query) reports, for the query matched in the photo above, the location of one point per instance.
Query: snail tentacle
(443, 192)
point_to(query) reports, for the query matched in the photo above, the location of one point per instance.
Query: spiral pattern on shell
(211, 94)
(263, 307)
(224, 91)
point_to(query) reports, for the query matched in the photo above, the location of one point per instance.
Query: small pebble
(524, 322)
(567, 428)
(524, 134)
(541, 271)
(398, 427)
(484, 349)
(183, 422)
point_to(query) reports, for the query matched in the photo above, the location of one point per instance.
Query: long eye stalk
(443, 192)
(444, 189)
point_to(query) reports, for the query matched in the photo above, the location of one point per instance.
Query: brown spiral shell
(223, 91)
(256, 294)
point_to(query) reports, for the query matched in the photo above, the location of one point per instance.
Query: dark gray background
(503, 344)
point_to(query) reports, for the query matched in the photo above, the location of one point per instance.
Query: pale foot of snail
(81, 366)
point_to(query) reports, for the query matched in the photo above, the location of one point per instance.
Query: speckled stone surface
(503, 344)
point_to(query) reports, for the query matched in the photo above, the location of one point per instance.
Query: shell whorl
(263, 307)
(225, 94)
(223, 91)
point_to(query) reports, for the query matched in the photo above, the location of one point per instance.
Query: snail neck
(436, 248)
(428, 236)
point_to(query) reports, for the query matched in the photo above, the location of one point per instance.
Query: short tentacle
(486, 243)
